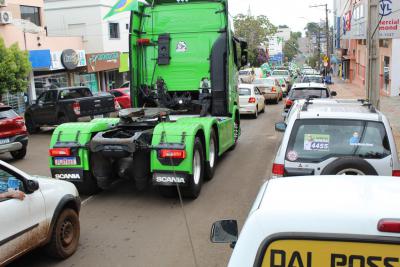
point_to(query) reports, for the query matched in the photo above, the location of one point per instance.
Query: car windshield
(312, 79)
(244, 91)
(302, 93)
(318, 139)
(280, 73)
(267, 82)
(7, 113)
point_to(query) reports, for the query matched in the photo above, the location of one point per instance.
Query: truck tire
(196, 180)
(65, 235)
(141, 167)
(31, 125)
(211, 165)
(349, 166)
(88, 186)
(236, 134)
(19, 154)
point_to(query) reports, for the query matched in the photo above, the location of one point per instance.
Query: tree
(291, 47)
(14, 69)
(312, 28)
(255, 30)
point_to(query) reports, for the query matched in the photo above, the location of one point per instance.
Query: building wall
(395, 68)
(65, 17)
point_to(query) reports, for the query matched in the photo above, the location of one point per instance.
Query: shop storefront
(105, 67)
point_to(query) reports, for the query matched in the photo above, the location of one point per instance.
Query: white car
(312, 79)
(251, 101)
(318, 221)
(335, 137)
(48, 216)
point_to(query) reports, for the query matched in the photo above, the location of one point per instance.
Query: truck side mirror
(225, 231)
(244, 58)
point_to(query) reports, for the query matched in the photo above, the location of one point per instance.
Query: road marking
(86, 201)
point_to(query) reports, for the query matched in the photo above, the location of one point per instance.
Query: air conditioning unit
(3, 3)
(5, 17)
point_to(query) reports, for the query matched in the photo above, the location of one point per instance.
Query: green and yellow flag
(123, 6)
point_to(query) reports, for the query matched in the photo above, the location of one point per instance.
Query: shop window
(114, 30)
(31, 13)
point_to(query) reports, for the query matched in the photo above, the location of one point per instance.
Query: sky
(294, 13)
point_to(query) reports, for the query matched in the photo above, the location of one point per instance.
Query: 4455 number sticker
(316, 142)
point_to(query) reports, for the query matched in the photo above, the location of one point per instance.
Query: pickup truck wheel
(196, 179)
(19, 154)
(211, 164)
(31, 125)
(65, 235)
(89, 185)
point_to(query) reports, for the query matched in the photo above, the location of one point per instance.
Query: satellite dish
(27, 26)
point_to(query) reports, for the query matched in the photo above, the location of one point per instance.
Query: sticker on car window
(355, 139)
(292, 155)
(3, 187)
(316, 142)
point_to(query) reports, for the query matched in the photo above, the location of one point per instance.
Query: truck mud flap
(171, 179)
(70, 174)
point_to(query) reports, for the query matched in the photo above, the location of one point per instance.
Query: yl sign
(389, 26)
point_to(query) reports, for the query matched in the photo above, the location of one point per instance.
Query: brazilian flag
(123, 6)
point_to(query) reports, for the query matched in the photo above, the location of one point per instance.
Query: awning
(40, 59)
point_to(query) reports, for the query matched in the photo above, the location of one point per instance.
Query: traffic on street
(194, 134)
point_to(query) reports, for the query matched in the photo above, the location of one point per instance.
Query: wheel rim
(67, 233)
(212, 153)
(350, 171)
(196, 167)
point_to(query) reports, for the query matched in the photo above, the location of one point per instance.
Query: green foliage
(312, 28)
(255, 30)
(14, 69)
(291, 48)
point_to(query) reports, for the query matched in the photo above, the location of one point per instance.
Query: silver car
(270, 88)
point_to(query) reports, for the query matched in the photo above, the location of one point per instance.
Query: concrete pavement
(390, 106)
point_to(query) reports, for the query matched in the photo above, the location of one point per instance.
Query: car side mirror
(225, 231)
(280, 127)
(333, 93)
(32, 186)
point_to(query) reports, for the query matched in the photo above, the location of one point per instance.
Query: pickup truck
(62, 105)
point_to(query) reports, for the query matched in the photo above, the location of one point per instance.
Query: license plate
(4, 141)
(67, 161)
(309, 253)
(98, 116)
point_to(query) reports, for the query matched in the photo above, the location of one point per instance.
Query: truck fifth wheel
(184, 59)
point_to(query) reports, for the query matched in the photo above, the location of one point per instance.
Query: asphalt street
(123, 227)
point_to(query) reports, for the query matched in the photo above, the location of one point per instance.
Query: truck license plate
(67, 161)
(4, 141)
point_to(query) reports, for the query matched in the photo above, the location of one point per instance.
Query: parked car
(123, 97)
(307, 90)
(335, 137)
(251, 101)
(58, 106)
(270, 89)
(36, 212)
(318, 221)
(13, 133)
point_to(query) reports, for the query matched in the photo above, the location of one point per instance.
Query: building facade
(350, 43)
(23, 22)
(105, 41)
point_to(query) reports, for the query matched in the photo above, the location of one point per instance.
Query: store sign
(355, 27)
(103, 61)
(70, 59)
(56, 59)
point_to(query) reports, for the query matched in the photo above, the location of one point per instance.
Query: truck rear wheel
(211, 164)
(196, 182)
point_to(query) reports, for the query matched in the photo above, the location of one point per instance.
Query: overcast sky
(294, 13)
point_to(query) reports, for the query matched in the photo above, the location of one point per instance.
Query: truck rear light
(60, 152)
(278, 169)
(172, 153)
(389, 225)
(252, 100)
(396, 173)
(143, 41)
(77, 108)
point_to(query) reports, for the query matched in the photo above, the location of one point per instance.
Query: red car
(123, 97)
(13, 133)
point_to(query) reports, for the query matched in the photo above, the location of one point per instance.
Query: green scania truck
(184, 60)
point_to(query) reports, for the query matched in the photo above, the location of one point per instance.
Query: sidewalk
(390, 106)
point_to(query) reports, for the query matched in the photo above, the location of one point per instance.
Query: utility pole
(372, 86)
(326, 31)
